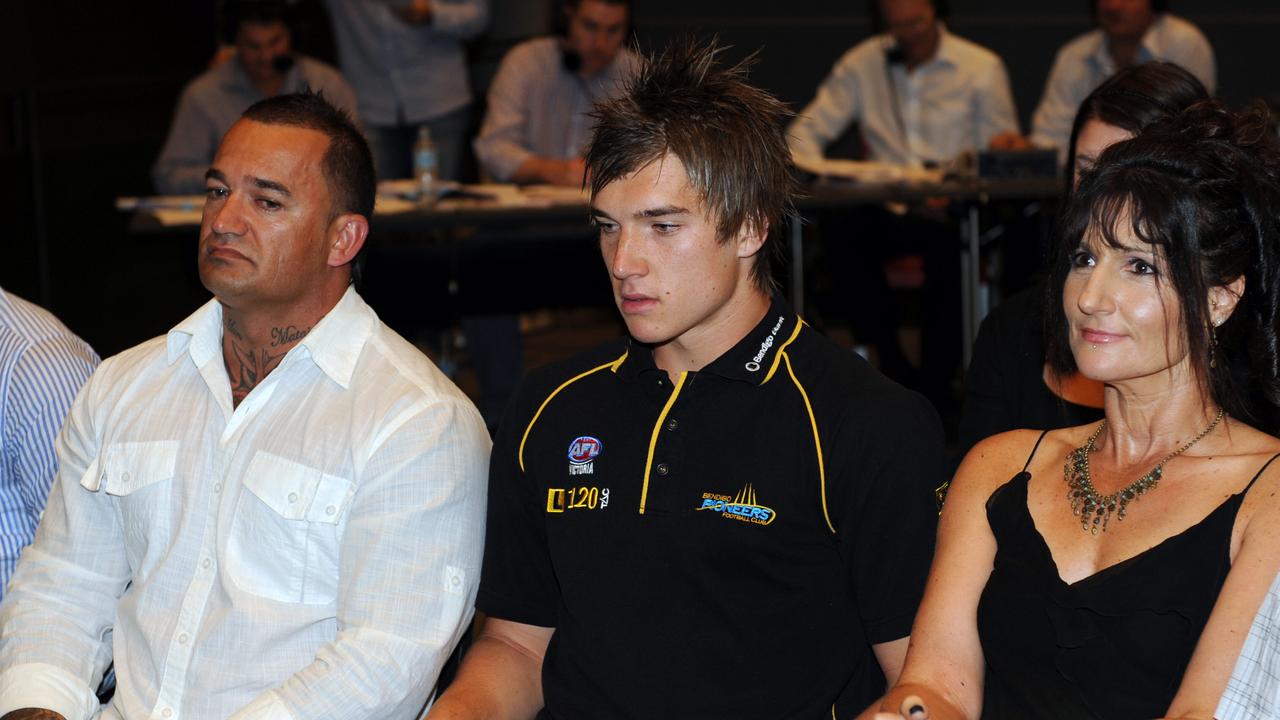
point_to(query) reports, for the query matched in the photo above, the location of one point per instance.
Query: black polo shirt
(729, 544)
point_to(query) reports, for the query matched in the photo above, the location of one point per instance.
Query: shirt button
(217, 487)
(124, 477)
(183, 638)
(207, 562)
(672, 424)
(293, 497)
(330, 510)
(663, 469)
(456, 581)
(167, 712)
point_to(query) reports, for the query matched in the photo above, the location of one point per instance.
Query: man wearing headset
(537, 124)
(262, 65)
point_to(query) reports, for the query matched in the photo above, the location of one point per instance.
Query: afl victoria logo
(584, 449)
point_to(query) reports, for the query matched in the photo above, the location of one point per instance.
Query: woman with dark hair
(1008, 384)
(1125, 591)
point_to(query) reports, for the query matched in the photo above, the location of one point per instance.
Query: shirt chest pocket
(139, 476)
(287, 531)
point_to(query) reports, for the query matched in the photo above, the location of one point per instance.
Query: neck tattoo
(1095, 510)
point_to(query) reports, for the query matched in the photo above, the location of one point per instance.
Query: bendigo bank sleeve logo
(742, 506)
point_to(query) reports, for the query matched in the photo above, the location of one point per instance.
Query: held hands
(567, 173)
(413, 12)
(911, 708)
(1010, 140)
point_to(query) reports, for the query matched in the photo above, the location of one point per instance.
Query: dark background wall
(86, 92)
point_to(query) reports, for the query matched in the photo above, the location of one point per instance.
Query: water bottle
(424, 164)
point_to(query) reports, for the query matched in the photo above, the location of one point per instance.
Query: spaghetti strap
(1037, 447)
(1261, 470)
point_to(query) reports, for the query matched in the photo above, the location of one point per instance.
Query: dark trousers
(855, 246)
(392, 146)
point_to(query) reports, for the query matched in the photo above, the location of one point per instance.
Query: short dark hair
(237, 12)
(729, 135)
(576, 3)
(560, 17)
(1134, 98)
(347, 162)
(1203, 187)
(941, 9)
(1157, 6)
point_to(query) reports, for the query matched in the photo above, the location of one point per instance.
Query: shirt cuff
(266, 706)
(41, 685)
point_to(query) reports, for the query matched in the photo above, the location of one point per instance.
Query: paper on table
(868, 171)
(176, 217)
(172, 202)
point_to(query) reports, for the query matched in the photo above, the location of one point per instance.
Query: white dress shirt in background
(955, 102)
(1083, 63)
(312, 553)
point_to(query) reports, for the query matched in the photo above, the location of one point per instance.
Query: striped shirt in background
(42, 366)
(1254, 690)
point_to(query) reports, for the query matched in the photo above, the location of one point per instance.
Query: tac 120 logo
(584, 449)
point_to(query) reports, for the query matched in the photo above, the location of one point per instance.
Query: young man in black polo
(724, 514)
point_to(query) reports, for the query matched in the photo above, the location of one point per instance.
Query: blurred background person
(262, 64)
(1129, 32)
(407, 62)
(537, 124)
(920, 96)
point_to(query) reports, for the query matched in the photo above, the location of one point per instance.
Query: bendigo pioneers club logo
(742, 506)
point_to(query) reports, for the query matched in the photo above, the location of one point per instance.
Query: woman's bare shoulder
(996, 459)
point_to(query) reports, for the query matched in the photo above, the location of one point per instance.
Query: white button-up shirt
(955, 102)
(1083, 63)
(311, 553)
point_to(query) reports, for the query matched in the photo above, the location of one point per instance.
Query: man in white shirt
(537, 124)
(919, 94)
(1129, 32)
(275, 511)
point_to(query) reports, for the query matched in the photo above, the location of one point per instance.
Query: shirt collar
(945, 54)
(334, 344)
(947, 48)
(754, 359)
(237, 79)
(1148, 49)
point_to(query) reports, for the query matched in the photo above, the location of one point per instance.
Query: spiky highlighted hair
(729, 135)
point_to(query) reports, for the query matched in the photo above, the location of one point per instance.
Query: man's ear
(347, 234)
(751, 237)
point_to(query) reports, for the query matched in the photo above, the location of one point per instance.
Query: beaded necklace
(1095, 510)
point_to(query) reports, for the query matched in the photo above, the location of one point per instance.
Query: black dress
(1112, 645)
